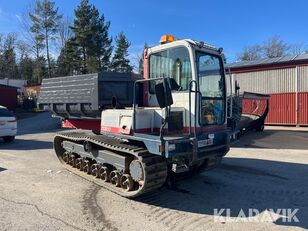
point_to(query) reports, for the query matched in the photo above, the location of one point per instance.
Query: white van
(8, 125)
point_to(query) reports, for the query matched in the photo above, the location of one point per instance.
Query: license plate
(206, 142)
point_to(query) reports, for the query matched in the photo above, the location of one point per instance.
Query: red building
(285, 79)
(8, 96)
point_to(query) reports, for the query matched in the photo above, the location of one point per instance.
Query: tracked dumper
(178, 123)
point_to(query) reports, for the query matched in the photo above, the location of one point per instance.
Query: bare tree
(34, 40)
(251, 53)
(23, 49)
(65, 31)
(1, 43)
(297, 49)
(30, 36)
(272, 48)
(275, 47)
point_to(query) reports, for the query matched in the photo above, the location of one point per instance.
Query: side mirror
(163, 94)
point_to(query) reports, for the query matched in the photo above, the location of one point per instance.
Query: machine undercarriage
(114, 164)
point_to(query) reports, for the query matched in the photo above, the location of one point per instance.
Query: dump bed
(84, 96)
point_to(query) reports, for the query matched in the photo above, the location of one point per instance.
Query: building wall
(268, 82)
(303, 78)
(288, 88)
(282, 109)
(8, 97)
(303, 108)
(19, 83)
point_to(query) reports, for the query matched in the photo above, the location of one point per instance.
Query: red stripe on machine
(118, 130)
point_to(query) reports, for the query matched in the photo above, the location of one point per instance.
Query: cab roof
(201, 44)
(168, 41)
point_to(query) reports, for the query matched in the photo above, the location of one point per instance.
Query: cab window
(212, 88)
(173, 63)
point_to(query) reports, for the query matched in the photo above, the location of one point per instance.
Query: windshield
(212, 88)
(173, 63)
(5, 113)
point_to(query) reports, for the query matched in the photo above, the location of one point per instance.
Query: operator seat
(174, 85)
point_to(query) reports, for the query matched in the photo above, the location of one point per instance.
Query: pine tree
(103, 44)
(10, 70)
(120, 61)
(38, 45)
(91, 38)
(8, 65)
(45, 25)
(63, 66)
(26, 68)
(69, 60)
(83, 32)
(26, 62)
(40, 71)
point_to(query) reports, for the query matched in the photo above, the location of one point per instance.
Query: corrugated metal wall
(302, 95)
(303, 79)
(286, 106)
(268, 82)
(282, 109)
(303, 108)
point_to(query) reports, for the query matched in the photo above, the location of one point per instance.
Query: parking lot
(263, 171)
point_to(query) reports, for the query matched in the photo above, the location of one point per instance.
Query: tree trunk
(99, 63)
(37, 62)
(84, 60)
(47, 52)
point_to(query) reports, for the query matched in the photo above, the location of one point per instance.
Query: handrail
(134, 97)
(197, 92)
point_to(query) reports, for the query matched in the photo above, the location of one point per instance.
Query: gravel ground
(263, 171)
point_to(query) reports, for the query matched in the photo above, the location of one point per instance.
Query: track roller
(86, 167)
(66, 157)
(72, 160)
(95, 170)
(79, 163)
(115, 177)
(127, 182)
(104, 173)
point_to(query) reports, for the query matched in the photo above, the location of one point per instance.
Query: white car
(8, 125)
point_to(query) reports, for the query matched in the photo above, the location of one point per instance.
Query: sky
(228, 24)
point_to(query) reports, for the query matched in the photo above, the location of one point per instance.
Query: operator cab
(197, 82)
(185, 103)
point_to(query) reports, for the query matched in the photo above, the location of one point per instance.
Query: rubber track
(155, 167)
